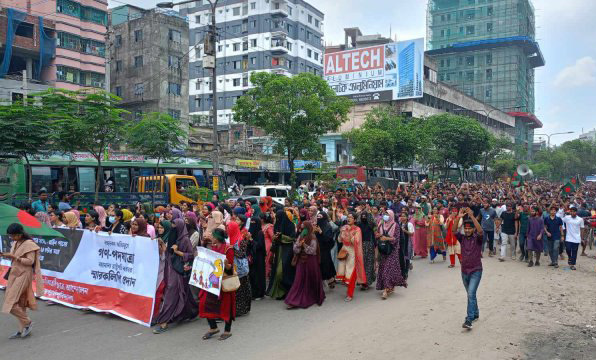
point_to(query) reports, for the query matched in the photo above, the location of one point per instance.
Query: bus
(56, 173)
(372, 176)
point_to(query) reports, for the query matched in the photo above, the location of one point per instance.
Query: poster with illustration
(207, 270)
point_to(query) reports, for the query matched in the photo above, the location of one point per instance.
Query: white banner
(207, 270)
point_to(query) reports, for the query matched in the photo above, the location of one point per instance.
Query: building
(588, 136)
(280, 36)
(25, 52)
(149, 61)
(80, 27)
(539, 145)
(488, 50)
(438, 97)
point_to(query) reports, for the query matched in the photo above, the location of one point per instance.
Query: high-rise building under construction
(488, 50)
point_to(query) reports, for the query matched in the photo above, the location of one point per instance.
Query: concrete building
(438, 97)
(149, 61)
(25, 54)
(488, 50)
(280, 36)
(588, 136)
(80, 26)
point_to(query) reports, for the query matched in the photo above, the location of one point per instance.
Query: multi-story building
(25, 52)
(80, 28)
(149, 61)
(488, 50)
(437, 97)
(588, 136)
(281, 36)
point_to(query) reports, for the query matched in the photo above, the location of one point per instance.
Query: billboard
(386, 72)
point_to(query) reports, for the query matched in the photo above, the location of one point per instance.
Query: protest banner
(106, 273)
(207, 270)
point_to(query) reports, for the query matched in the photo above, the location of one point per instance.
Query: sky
(565, 87)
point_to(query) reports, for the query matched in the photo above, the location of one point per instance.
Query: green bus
(58, 173)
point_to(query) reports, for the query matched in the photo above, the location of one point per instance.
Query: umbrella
(10, 214)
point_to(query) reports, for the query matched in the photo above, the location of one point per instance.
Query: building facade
(488, 50)
(280, 36)
(588, 136)
(149, 61)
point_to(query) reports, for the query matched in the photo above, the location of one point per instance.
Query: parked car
(278, 192)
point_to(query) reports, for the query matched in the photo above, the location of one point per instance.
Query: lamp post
(213, 51)
(553, 134)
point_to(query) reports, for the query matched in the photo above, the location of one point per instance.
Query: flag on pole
(517, 180)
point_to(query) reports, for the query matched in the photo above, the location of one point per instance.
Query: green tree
(455, 140)
(385, 139)
(498, 145)
(86, 120)
(294, 111)
(25, 132)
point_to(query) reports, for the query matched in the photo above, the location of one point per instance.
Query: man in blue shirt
(553, 226)
(41, 205)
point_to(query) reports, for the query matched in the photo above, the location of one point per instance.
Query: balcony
(279, 29)
(279, 8)
(279, 46)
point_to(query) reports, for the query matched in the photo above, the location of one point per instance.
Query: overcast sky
(565, 87)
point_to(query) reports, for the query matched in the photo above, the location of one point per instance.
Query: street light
(549, 135)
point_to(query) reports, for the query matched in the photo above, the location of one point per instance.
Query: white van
(278, 192)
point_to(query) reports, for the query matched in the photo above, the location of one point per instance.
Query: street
(525, 313)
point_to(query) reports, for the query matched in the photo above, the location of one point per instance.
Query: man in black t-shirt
(510, 227)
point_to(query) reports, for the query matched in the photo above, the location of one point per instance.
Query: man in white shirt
(573, 225)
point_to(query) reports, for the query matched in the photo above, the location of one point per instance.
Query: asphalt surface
(420, 322)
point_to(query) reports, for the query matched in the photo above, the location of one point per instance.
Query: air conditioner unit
(208, 62)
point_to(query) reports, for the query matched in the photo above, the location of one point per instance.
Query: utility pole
(212, 39)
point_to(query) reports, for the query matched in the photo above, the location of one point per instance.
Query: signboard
(215, 183)
(386, 72)
(207, 270)
(97, 271)
(300, 165)
(251, 164)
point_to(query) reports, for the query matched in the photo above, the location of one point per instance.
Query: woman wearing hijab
(163, 229)
(71, 220)
(191, 227)
(102, 214)
(268, 234)
(420, 233)
(25, 268)
(138, 227)
(43, 218)
(307, 288)
(326, 242)
(282, 271)
(244, 292)
(222, 307)
(350, 269)
(390, 274)
(233, 230)
(117, 226)
(178, 302)
(368, 226)
(257, 265)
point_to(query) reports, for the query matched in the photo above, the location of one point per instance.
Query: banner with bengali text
(106, 273)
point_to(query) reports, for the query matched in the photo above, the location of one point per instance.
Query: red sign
(370, 58)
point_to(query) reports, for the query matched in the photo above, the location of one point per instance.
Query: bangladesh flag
(10, 214)
(517, 180)
(574, 181)
(568, 188)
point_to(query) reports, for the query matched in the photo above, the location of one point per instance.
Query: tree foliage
(294, 111)
(572, 158)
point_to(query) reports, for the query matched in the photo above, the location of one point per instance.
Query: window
(245, 81)
(174, 61)
(253, 24)
(175, 36)
(75, 76)
(94, 15)
(448, 17)
(118, 41)
(489, 74)
(198, 84)
(138, 61)
(278, 61)
(236, 11)
(174, 88)
(470, 14)
(76, 43)
(489, 27)
(138, 35)
(470, 76)
(119, 91)
(469, 61)
(118, 65)
(253, 5)
(309, 18)
(197, 103)
(470, 30)
(139, 89)
(442, 17)
(461, 30)
(245, 46)
(316, 56)
(174, 113)
(236, 47)
(442, 33)
(489, 91)
(236, 29)
(198, 19)
(489, 11)
(308, 35)
(317, 22)
(236, 82)
(448, 63)
(253, 43)
(236, 64)
(442, 63)
(253, 60)
(289, 64)
(489, 59)
(309, 52)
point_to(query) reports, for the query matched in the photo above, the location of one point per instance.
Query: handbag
(240, 263)
(342, 254)
(230, 283)
(384, 246)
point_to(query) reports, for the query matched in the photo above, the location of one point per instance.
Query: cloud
(583, 72)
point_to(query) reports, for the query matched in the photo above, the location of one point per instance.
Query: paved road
(420, 322)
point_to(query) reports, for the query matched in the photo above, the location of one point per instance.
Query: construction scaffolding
(486, 49)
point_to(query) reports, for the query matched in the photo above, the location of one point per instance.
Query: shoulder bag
(230, 283)
(241, 264)
(385, 247)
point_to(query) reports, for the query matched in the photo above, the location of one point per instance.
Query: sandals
(160, 330)
(348, 299)
(210, 334)
(16, 335)
(451, 266)
(385, 295)
(225, 336)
